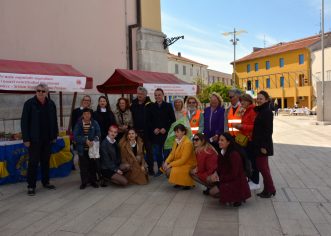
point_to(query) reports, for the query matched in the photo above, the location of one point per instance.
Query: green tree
(217, 87)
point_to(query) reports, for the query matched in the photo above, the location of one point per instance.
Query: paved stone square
(301, 169)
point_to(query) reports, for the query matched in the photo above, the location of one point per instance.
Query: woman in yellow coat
(181, 160)
(132, 153)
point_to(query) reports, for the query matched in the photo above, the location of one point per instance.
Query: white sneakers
(253, 186)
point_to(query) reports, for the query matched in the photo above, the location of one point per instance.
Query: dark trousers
(250, 152)
(149, 151)
(263, 166)
(39, 152)
(88, 168)
(158, 154)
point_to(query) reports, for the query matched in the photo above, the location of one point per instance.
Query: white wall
(316, 66)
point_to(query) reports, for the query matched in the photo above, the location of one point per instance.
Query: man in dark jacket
(160, 116)
(138, 110)
(39, 129)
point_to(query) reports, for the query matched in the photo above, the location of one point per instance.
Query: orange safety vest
(234, 119)
(194, 122)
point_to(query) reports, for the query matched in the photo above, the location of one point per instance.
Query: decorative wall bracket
(168, 41)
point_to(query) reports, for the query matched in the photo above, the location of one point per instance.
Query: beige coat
(123, 119)
(138, 171)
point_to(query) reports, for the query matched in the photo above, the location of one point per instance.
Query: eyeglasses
(191, 102)
(196, 139)
(231, 97)
(86, 100)
(41, 91)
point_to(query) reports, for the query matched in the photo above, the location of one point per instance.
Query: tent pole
(108, 105)
(73, 104)
(61, 109)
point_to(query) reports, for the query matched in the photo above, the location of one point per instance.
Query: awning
(24, 76)
(126, 82)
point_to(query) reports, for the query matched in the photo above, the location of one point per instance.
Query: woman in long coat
(181, 160)
(132, 153)
(262, 141)
(233, 186)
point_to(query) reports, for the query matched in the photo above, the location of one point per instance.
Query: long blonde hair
(205, 146)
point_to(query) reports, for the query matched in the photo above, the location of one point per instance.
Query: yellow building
(283, 70)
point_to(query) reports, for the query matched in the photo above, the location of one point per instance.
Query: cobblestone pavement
(301, 169)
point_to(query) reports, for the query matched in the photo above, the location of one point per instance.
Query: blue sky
(202, 22)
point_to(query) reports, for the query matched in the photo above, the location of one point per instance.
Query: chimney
(179, 54)
(255, 49)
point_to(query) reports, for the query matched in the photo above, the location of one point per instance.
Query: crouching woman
(132, 153)
(181, 160)
(233, 187)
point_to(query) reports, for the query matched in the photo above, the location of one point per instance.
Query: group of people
(133, 136)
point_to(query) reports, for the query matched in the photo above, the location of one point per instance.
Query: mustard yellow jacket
(181, 160)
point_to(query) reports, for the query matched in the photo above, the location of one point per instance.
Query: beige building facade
(218, 76)
(186, 69)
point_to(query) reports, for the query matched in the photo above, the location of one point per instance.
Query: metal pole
(234, 55)
(322, 42)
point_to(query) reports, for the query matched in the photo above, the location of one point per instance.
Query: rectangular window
(268, 83)
(176, 68)
(191, 72)
(281, 62)
(256, 66)
(267, 65)
(256, 84)
(248, 68)
(184, 70)
(281, 81)
(301, 59)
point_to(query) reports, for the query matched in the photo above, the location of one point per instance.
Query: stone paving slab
(301, 168)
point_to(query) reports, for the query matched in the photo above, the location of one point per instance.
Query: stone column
(151, 54)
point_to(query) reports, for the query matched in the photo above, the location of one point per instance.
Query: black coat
(139, 114)
(263, 128)
(31, 120)
(110, 156)
(159, 117)
(105, 120)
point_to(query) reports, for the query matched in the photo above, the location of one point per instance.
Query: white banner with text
(173, 89)
(28, 82)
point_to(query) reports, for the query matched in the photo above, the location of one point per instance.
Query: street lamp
(234, 42)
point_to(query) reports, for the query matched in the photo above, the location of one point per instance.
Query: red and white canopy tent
(126, 82)
(24, 76)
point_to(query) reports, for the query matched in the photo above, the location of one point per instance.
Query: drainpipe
(130, 29)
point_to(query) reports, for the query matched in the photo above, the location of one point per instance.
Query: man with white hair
(39, 129)
(232, 113)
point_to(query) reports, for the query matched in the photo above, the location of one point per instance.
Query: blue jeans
(158, 154)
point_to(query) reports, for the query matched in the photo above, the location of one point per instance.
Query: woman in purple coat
(214, 120)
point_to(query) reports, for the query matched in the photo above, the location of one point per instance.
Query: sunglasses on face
(191, 102)
(41, 91)
(231, 97)
(196, 139)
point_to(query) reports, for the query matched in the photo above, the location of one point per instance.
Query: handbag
(241, 139)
